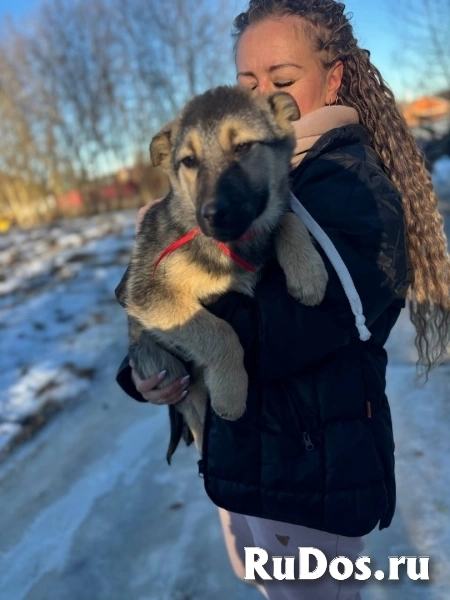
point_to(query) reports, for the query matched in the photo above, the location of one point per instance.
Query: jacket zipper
(308, 443)
(300, 425)
(200, 462)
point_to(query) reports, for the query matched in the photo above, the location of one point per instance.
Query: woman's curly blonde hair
(364, 89)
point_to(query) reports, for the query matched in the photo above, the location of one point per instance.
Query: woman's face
(275, 54)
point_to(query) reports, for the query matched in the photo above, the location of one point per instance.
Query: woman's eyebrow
(271, 69)
(275, 67)
(245, 74)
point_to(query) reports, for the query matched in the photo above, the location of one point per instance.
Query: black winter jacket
(315, 445)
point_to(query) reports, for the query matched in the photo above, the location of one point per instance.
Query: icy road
(89, 509)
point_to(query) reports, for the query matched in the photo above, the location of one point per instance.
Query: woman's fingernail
(185, 379)
(162, 374)
(184, 394)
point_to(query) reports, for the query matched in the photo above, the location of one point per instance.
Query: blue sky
(374, 26)
(16, 8)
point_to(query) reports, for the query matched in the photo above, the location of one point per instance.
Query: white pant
(240, 531)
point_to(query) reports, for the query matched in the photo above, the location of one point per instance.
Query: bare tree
(173, 51)
(423, 30)
(84, 84)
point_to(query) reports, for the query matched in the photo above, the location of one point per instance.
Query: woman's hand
(143, 210)
(173, 393)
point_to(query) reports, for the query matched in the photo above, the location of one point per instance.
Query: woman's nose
(265, 87)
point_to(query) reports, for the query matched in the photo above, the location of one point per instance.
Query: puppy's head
(228, 156)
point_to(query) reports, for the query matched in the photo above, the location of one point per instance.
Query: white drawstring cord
(328, 247)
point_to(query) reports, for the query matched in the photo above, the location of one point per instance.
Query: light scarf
(312, 126)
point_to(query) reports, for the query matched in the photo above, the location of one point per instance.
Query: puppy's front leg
(209, 342)
(306, 275)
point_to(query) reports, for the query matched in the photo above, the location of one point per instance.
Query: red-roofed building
(427, 109)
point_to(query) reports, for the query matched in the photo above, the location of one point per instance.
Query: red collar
(189, 236)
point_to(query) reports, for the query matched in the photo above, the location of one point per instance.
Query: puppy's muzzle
(217, 220)
(214, 215)
(236, 202)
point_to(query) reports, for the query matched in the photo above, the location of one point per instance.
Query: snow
(8, 433)
(60, 328)
(421, 414)
(58, 313)
(49, 549)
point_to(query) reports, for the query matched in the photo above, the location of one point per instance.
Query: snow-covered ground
(58, 314)
(90, 509)
(90, 503)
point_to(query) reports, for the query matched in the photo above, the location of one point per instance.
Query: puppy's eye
(243, 148)
(190, 162)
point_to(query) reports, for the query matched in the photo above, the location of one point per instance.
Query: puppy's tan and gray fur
(227, 156)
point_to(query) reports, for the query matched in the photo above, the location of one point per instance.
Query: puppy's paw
(228, 392)
(309, 295)
(309, 284)
(150, 358)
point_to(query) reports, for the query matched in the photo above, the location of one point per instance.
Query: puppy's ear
(161, 146)
(284, 109)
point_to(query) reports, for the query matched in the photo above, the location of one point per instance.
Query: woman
(311, 462)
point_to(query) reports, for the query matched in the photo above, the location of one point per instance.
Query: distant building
(428, 117)
(128, 187)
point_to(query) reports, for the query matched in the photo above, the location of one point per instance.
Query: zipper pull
(200, 468)
(308, 443)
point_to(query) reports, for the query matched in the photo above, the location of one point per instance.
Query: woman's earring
(335, 102)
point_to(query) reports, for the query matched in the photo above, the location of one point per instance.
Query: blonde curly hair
(364, 89)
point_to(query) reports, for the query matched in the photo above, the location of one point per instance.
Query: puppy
(228, 158)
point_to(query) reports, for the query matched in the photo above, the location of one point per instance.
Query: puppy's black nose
(211, 213)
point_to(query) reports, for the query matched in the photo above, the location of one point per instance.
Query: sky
(374, 23)
(16, 8)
